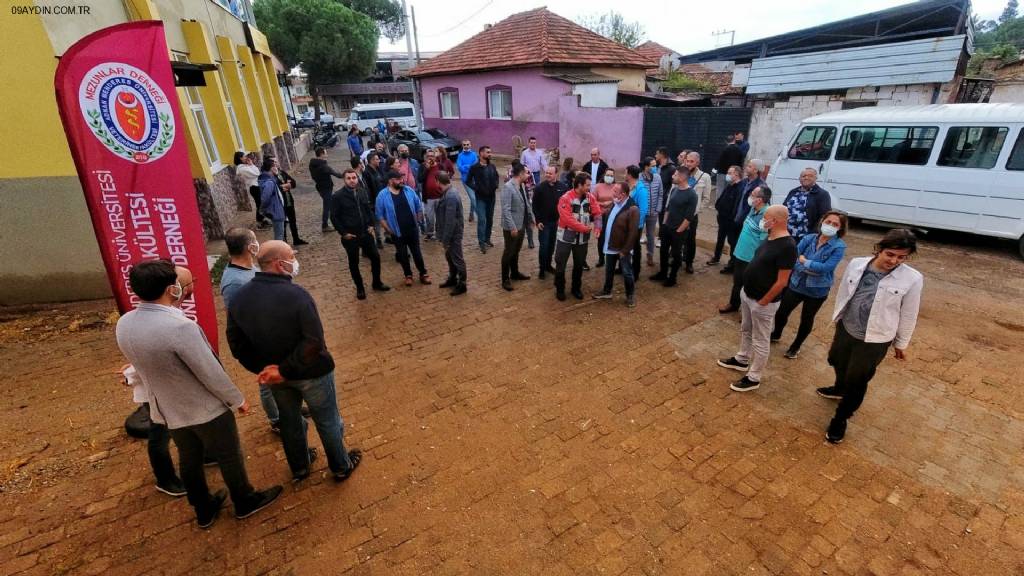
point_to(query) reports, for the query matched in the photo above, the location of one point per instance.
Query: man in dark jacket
(807, 203)
(374, 181)
(274, 330)
(725, 206)
(287, 184)
(450, 223)
(676, 224)
(730, 156)
(596, 167)
(483, 179)
(352, 216)
(322, 175)
(545, 210)
(751, 180)
(623, 234)
(667, 170)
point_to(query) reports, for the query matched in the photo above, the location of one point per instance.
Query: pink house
(529, 75)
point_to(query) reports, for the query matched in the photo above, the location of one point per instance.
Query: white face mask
(764, 225)
(829, 230)
(728, 178)
(294, 265)
(609, 179)
(179, 289)
(750, 201)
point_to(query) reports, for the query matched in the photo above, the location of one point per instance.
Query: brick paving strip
(514, 434)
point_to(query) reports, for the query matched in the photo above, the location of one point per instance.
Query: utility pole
(731, 33)
(408, 48)
(415, 34)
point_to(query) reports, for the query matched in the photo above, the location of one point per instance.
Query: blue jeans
(546, 239)
(610, 260)
(472, 200)
(320, 396)
(269, 406)
(484, 220)
(278, 229)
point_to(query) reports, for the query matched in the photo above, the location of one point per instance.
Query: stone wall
(775, 122)
(212, 227)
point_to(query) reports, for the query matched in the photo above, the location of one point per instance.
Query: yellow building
(46, 237)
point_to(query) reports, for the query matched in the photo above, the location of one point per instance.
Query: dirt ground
(509, 433)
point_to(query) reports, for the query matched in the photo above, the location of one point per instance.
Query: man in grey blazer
(189, 391)
(516, 218)
(449, 231)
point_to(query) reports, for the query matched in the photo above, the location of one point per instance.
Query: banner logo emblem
(127, 112)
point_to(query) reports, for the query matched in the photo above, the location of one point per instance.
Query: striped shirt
(582, 213)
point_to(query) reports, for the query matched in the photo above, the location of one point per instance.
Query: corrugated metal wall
(914, 62)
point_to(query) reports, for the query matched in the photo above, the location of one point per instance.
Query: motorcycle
(325, 137)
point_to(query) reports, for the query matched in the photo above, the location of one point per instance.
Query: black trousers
(855, 362)
(158, 447)
(456, 262)
(510, 255)
(790, 300)
(690, 241)
(289, 213)
(671, 247)
(409, 242)
(738, 268)
(637, 257)
(368, 245)
(254, 191)
(724, 227)
(217, 438)
(579, 257)
(600, 241)
(734, 237)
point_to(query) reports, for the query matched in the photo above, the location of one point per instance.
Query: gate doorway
(700, 129)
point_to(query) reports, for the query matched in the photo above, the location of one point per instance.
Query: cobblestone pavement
(509, 433)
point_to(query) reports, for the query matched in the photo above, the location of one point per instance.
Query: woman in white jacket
(877, 304)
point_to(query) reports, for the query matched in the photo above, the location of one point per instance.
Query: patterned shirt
(797, 205)
(581, 212)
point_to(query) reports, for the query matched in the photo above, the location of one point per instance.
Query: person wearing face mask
(765, 278)
(271, 198)
(750, 239)
(274, 331)
(464, 161)
(652, 178)
(408, 167)
(579, 215)
(680, 211)
(352, 216)
(188, 390)
(640, 194)
(242, 248)
(751, 179)
(399, 210)
(876, 307)
(623, 235)
(725, 206)
(809, 285)
(604, 192)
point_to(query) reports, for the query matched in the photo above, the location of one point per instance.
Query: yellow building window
(231, 109)
(195, 105)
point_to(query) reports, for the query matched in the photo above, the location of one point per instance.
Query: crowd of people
(781, 256)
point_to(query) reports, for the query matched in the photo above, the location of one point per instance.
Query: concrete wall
(630, 79)
(774, 123)
(618, 132)
(597, 95)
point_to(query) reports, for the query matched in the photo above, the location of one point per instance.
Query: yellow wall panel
(236, 89)
(255, 89)
(212, 94)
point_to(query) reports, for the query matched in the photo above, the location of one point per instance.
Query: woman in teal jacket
(812, 277)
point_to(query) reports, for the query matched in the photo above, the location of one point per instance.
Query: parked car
(419, 142)
(305, 121)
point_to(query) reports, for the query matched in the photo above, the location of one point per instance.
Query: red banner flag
(116, 95)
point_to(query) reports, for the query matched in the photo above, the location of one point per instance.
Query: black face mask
(403, 154)
(396, 186)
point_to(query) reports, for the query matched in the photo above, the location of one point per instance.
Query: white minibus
(948, 166)
(366, 116)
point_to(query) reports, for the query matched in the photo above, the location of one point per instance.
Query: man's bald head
(272, 253)
(776, 218)
(186, 282)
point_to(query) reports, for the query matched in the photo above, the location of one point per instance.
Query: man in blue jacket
(271, 199)
(640, 194)
(400, 210)
(465, 160)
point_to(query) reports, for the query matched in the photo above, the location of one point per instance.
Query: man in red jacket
(432, 191)
(579, 215)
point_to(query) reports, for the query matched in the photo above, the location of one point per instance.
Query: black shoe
(560, 296)
(713, 261)
(304, 473)
(836, 431)
(669, 282)
(172, 488)
(586, 267)
(689, 268)
(209, 461)
(792, 354)
(507, 285)
(449, 283)
(275, 427)
(361, 294)
(745, 385)
(733, 364)
(578, 294)
(728, 310)
(726, 270)
(206, 519)
(550, 269)
(356, 457)
(518, 276)
(659, 277)
(304, 410)
(830, 392)
(483, 249)
(599, 265)
(490, 244)
(459, 289)
(380, 245)
(774, 339)
(260, 500)
(300, 243)
(381, 287)
(540, 275)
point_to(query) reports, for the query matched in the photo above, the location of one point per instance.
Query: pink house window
(499, 102)
(448, 102)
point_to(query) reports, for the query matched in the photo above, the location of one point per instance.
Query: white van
(949, 166)
(367, 116)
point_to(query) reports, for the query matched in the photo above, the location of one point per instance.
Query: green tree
(386, 13)
(1009, 13)
(614, 27)
(329, 40)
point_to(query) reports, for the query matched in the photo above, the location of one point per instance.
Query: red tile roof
(534, 38)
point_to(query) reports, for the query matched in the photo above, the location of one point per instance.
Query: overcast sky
(442, 24)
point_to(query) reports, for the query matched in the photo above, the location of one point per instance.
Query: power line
(471, 16)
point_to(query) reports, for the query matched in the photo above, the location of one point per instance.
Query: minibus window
(972, 146)
(1016, 161)
(887, 144)
(813, 143)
